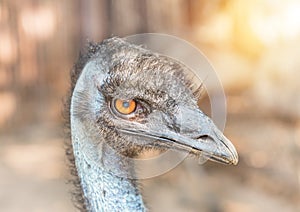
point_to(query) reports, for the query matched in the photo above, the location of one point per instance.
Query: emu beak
(196, 133)
(213, 145)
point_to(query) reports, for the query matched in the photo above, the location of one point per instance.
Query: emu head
(132, 99)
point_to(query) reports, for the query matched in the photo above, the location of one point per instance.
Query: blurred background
(255, 49)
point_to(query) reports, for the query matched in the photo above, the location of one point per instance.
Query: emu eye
(125, 107)
(131, 109)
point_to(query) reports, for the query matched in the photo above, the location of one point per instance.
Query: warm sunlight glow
(275, 21)
(8, 48)
(38, 22)
(217, 29)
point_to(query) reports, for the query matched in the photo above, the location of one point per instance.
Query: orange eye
(125, 106)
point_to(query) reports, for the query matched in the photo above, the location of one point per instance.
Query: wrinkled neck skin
(102, 172)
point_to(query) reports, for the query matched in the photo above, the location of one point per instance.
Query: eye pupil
(126, 104)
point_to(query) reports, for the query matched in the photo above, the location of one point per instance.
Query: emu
(124, 100)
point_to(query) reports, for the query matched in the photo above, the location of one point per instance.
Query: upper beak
(197, 134)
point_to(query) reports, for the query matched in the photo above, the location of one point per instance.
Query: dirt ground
(33, 170)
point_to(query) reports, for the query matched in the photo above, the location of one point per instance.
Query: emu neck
(103, 178)
(103, 174)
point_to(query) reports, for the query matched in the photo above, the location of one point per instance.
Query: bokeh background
(255, 49)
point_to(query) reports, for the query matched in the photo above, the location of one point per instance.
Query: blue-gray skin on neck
(104, 184)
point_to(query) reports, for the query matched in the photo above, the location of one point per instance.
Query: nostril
(204, 137)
